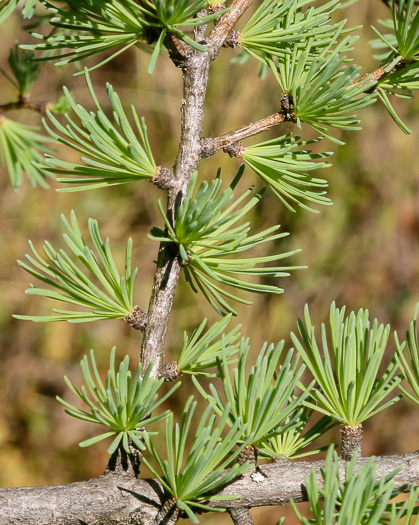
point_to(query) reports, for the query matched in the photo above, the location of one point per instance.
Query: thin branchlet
(24, 102)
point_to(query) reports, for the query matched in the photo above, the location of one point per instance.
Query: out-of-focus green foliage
(24, 69)
(20, 146)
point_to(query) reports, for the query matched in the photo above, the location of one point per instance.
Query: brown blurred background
(363, 252)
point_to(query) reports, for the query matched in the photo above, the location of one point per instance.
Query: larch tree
(208, 462)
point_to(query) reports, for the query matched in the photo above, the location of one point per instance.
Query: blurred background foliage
(363, 251)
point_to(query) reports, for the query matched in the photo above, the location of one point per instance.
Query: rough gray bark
(122, 500)
(168, 514)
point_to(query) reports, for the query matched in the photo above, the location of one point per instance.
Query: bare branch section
(210, 146)
(224, 25)
(118, 500)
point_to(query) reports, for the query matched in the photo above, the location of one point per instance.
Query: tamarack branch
(119, 496)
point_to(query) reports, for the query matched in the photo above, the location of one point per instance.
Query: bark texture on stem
(168, 514)
(351, 441)
(241, 516)
(210, 146)
(195, 80)
(112, 499)
(249, 453)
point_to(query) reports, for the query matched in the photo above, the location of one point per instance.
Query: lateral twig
(210, 146)
(25, 103)
(380, 73)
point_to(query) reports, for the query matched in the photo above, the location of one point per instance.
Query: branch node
(235, 150)
(225, 24)
(214, 8)
(163, 179)
(168, 514)
(249, 453)
(287, 107)
(351, 441)
(233, 39)
(137, 319)
(170, 371)
(179, 51)
(124, 464)
(208, 148)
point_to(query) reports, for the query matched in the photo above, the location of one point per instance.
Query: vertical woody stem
(195, 80)
(241, 515)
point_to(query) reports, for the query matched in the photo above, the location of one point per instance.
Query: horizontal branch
(25, 103)
(117, 499)
(210, 146)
